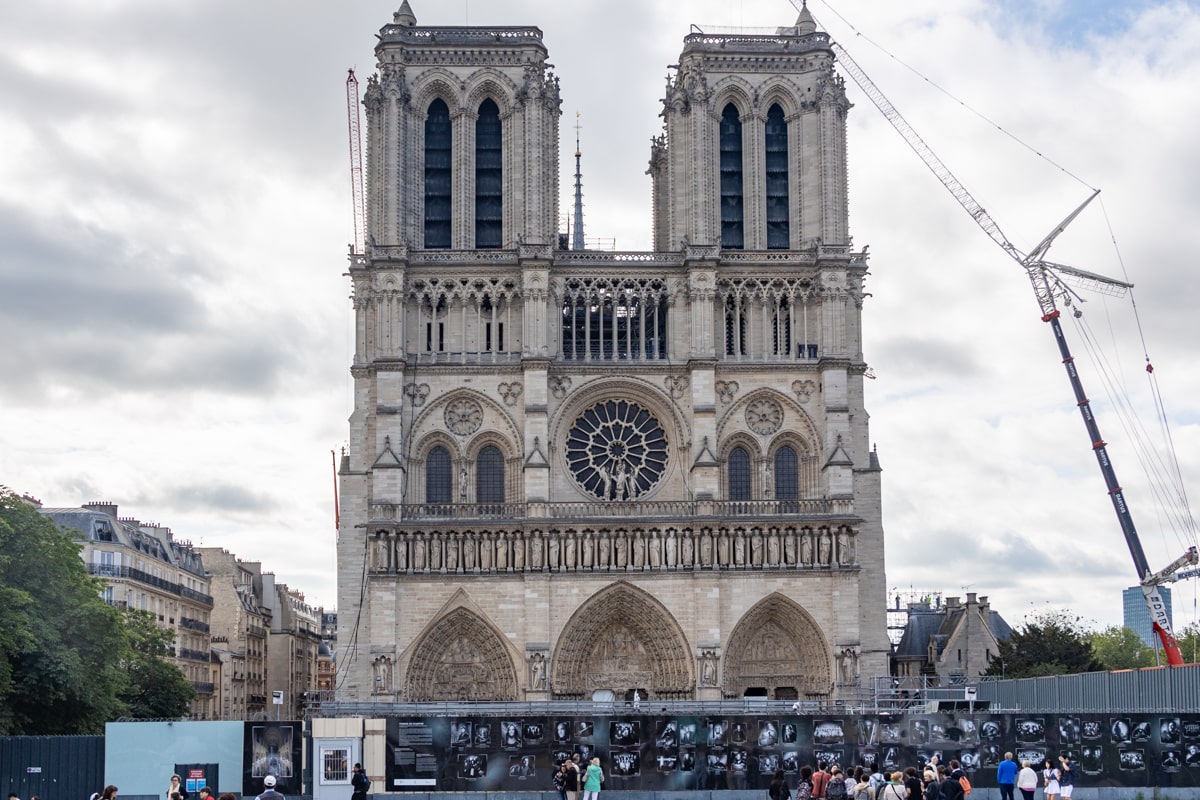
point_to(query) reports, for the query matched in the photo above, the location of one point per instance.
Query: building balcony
(129, 573)
(193, 655)
(193, 624)
(203, 688)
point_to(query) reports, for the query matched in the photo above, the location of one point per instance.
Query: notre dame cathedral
(579, 473)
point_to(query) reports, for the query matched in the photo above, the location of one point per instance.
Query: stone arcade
(576, 472)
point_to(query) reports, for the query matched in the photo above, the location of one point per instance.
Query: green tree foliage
(1121, 648)
(1189, 643)
(60, 644)
(156, 688)
(1049, 643)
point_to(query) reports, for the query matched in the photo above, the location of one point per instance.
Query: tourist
(593, 780)
(1050, 776)
(269, 792)
(1027, 781)
(1066, 776)
(176, 787)
(1006, 776)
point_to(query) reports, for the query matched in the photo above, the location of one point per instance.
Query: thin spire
(577, 234)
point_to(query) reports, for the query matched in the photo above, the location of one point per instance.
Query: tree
(1049, 643)
(60, 644)
(1189, 643)
(1121, 648)
(156, 688)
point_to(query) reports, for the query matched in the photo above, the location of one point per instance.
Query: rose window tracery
(617, 450)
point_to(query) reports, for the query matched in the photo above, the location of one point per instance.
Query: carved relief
(726, 390)
(381, 668)
(676, 385)
(779, 646)
(764, 416)
(417, 393)
(461, 657)
(622, 638)
(804, 389)
(463, 416)
(559, 386)
(509, 392)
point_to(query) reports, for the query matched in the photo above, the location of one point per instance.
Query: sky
(175, 210)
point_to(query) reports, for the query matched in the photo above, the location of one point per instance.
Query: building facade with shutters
(573, 473)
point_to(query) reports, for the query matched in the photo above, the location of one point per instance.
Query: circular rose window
(617, 450)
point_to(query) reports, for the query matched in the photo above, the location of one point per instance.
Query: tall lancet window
(732, 215)
(439, 476)
(787, 475)
(777, 180)
(489, 177)
(489, 476)
(738, 474)
(437, 176)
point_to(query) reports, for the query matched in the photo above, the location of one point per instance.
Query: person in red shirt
(820, 780)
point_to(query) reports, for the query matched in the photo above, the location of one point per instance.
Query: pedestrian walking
(1050, 776)
(593, 779)
(269, 792)
(359, 783)
(1066, 776)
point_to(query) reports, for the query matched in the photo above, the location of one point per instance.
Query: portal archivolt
(622, 639)
(778, 647)
(461, 657)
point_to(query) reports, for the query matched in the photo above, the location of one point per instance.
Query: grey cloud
(215, 497)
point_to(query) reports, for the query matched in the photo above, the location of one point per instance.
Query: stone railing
(603, 510)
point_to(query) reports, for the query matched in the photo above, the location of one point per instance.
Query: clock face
(617, 450)
(764, 416)
(463, 416)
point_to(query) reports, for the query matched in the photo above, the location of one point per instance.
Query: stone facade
(145, 567)
(952, 642)
(579, 472)
(293, 642)
(240, 623)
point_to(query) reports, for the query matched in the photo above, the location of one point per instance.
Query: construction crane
(356, 171)
(1049, 281)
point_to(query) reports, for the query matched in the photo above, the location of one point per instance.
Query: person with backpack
(778, 790)
(835, 787)
(863, 790)
(877, 782)
(820, 780)
(950, 787)
(893, 789)
(804, 786)
(913, 785)
(957, 773)
(359, 783)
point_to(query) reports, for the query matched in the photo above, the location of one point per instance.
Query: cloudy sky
(175, 208)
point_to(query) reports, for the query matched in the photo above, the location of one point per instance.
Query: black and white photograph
(1171, 761)
(991, 730)
(460, 734)
(1031, 729)
(1132, 760)
(1034, 755)
(483, 734)
(1191, 730)
(667, 737)
(828, 756)
(890, 732)
(1119, 730)
(968, 731)
(1191, 755)
(583, 729)
(1091, 729)
(737, 734)
(718, 732)
(1068, 731)
(522, 766)
(891, 758)
(739, 762)
(666, 762)
(768, 763)
(989, 755)
(562, 731)
(626, 763)
(687, 733)
(687, 760)
(510, 733)
(1091, 760)
(791, 762)
(869, 758)
(1140, 732)
(868, 730)
(926, 757)
(768, 733)
(918, 731)
(1169, 730)
(585, 751)
(533, 732)
(790, 732)
(561, 756)
(625, 732)
(829, 731)
(472, 766)
(940, 732)
(969, 760)
(718, 763)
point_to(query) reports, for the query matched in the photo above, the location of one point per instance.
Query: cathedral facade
(572, 472)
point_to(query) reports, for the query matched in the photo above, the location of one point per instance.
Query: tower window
(489, 476)
(739, 474)
(732, 215)
(437, 176)
(489, 177)
(787, 477)
(439, 483)
(777, 180)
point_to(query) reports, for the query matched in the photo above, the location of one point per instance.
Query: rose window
(617, 450)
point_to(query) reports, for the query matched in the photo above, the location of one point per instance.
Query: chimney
(971, 598)
(952, 603)
(103, 506)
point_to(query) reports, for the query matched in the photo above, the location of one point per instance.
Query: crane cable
(1152, 463)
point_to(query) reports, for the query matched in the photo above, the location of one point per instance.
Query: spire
(405, 15)
(577, 233)
(805, 24)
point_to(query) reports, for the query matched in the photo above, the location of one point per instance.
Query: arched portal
(620, 639)
(778, 647)
(461, 657)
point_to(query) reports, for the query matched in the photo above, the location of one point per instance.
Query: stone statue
(708, 668)
(789, 547)
(843, 547)
(622, 552)
(723, 549)
(670, 550)
(687, 549)
(383, 674)
(823, 547)
(806, 548)
(452, 554)
(536, 554)
(569, 549)
(587, 550)
(773, 549)
(537, 669)
(605, 548)
(555, 549)
(706, 551)
(654, 555)
(639, 550)
(487, 551)
(502, 551)
(419, 553)
(739, 549)
(435, 552)
(518, 553)
(469, 553)
(401, 555)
